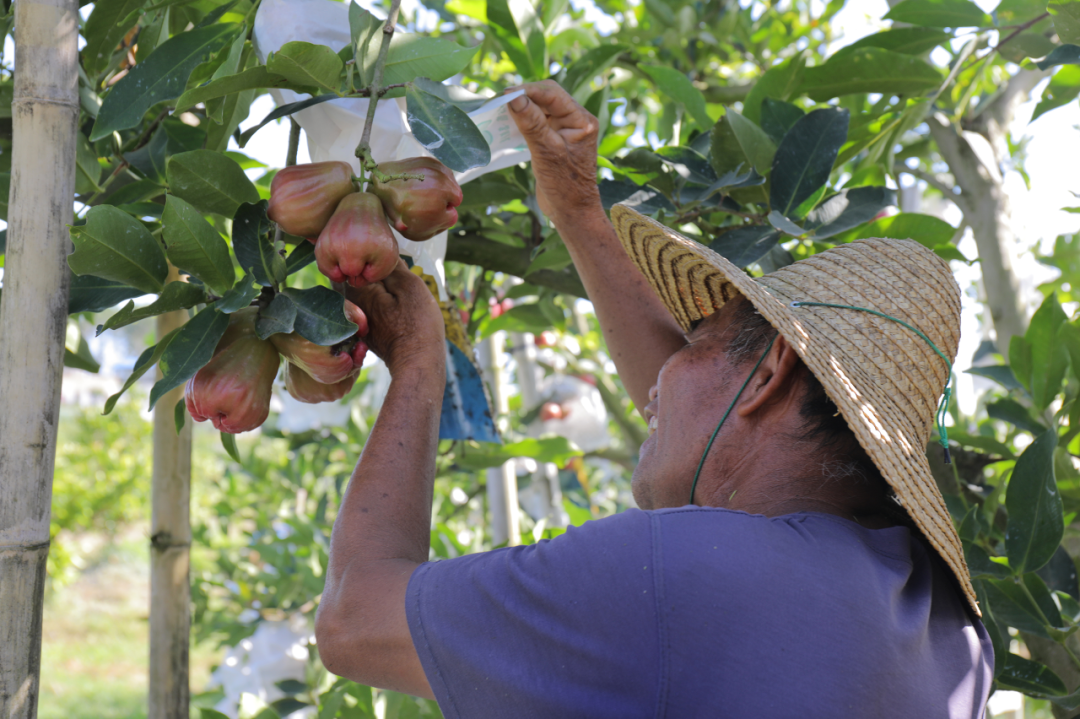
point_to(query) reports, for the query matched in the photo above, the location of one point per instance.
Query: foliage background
(659, 77)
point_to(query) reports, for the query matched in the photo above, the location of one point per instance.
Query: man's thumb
(529, 118)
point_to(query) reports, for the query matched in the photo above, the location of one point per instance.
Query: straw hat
(884, 378)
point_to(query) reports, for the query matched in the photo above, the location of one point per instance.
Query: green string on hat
(716, 431)
(943, 406)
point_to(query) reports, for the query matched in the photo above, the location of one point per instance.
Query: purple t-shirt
(701, 612)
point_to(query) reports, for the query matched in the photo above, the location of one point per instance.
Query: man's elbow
(329, 631)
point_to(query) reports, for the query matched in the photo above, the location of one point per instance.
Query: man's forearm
(386, 511)
(640, 332)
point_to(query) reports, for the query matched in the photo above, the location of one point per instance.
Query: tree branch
(472, 248)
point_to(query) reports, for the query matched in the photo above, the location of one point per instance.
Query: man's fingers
(530, 119)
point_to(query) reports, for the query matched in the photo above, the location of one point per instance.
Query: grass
(95, 639)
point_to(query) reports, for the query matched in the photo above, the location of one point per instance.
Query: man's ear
(776, 379)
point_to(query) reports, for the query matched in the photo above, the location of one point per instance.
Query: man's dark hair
(822, 420)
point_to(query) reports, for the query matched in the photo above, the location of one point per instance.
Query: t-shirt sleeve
(562, 628)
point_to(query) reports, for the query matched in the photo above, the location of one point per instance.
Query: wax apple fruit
(303, 197)
(305, 388)
(419, 209)
(233, 389)
(357, 246)
(326, 365)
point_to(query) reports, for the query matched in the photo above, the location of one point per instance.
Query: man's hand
(562, 138)
(406, 325)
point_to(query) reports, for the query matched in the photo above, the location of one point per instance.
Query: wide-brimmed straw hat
(885, 379)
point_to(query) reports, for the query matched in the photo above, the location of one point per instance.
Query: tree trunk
(33, 319)
(985, 203)
(170, 548)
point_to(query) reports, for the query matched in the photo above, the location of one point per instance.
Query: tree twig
(290, 160)
(375, 89)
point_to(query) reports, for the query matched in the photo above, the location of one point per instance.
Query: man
(793, 559)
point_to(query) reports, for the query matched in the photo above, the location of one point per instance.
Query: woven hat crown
(885, 379)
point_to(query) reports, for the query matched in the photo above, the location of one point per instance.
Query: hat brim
(875, 371)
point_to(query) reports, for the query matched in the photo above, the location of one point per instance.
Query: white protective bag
(334, 128)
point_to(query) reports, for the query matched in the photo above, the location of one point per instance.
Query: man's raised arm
(639, 331)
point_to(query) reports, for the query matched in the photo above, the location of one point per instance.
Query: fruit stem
(375, 89)
(384, 178)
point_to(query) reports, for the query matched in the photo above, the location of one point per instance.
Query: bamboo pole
(170, 550)
(33, 319)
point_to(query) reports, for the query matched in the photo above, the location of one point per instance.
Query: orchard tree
(745, 128)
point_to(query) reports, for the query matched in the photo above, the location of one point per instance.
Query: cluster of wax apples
(353, 245)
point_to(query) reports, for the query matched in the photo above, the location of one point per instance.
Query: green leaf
(521, 34)
(1036, 522)
(251, 79)
(1013, 606)
(780, 82)
(980, 564)
(1024, 675)
(234, 61)
(306, 64)
(114, 245)
(687, 163)
(580, 73)
(522, 318)
(189, 351)
(1066, 14)
(320, 315)
(363, 28)
(785, 225)
(1049, 358)
(253, 245)
(645, 200)
(678, 87)
(413, 55)
(277, 317)
(1060, 573)
(806, 156)
(180, 414)
(1063, 88)
(77, 351)
(284, 111)
(547, 449)
(551, 254)
(777, 117)
(147, 359)
(1027, 44)
(210, 181)
(907, 40)
(302, 256)
(87, 167)
(940, 13)
(745, 245)
(870, 69)
(927, 230)
(240, 296)
(94, 294)
(103, 32)
(847, 209)
(228, 441)
(195, 247)
(162, 76)
(1002, 374)
(445, 131)
(150, 158)
(1011, 411)
(1061, 55)
(175, 296)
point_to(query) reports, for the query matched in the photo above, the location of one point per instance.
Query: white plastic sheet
(334, 128)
